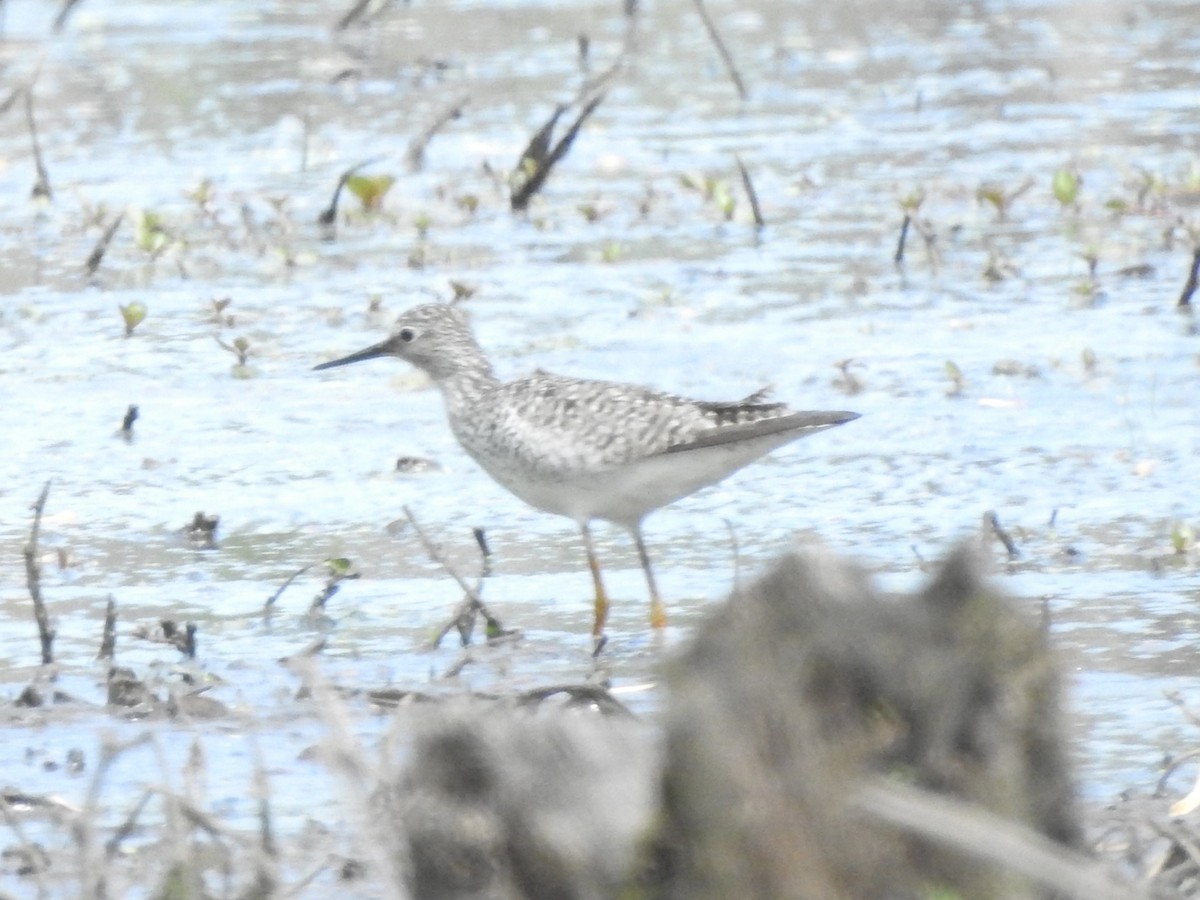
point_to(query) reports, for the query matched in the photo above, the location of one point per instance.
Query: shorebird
(583, 448)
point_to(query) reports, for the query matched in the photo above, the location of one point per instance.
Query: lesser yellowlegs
(588, 449)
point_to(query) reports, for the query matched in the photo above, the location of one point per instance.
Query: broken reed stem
(42, 187)
(751, 194)
(33, 578)
(540, 161)
(416, 148)
(1185, 298)
(64, 13)
(108, 641)
(328, 215)
(992, 521)
(726, 57)
(283, 587)
(472, 600)
(436, 556)
(898, 257)
(97, 255)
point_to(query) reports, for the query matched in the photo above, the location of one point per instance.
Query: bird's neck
(471, 379)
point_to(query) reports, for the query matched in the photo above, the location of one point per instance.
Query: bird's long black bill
(372, 352)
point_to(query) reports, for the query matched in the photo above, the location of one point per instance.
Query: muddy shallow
(1071, 410)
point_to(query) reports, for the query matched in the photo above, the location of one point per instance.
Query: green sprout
(149, 234)
(1066, 184)
(132, 315)
(370, 189)
(957, 380)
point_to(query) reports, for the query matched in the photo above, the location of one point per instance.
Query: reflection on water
(231, 123)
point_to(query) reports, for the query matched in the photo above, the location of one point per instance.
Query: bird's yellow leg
(658, 612)
(601, 595)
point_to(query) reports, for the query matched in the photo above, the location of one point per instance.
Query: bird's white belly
(625, 494)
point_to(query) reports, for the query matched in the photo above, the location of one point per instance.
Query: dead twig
(580, 695)
(1193, 279)
(991, 522)
(11, 100)
(471, 603)
(108, 641)
(97, 255)
(42, 187)
(537, 160)
(63, 14)
(481, 540)
(929, 236)
(359, 11)
(898, 256)
(33, 578)
(283, 587)
(726, 57)
(416, 147)
(751, 194)
(328, 216)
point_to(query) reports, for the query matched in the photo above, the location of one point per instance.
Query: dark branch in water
(283, 587)
(537, 160)
(97, 255)
(580, 695)
(63, 14)
(356, 12)
(42, 187)
(11, 100)
(463, 616)
(131, 416)
(481, 540)
(751, 194)
(416, 147)
(328, 216)
(33, 578)
(711, 28)
(108, 641)
(898, 258)
(992, 521)
(1185, 298)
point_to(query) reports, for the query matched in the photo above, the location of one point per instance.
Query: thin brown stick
(33, 578)
(108, 642)
(726, 57)
(992, 521)
(11, 100)
(97, 255)
(283, 587)
(471, 601)
(898, 256)
(751, 194)
(63, 14)
(42, 187)
(416, 147)
(1193, 279)
(356, 12)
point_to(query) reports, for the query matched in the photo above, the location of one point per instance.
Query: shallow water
(138, 104)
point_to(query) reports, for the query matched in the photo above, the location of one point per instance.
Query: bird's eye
(407, 335)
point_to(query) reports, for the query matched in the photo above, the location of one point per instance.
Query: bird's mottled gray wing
(613, 423)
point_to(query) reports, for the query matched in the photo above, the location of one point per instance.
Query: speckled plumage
(583, 448)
